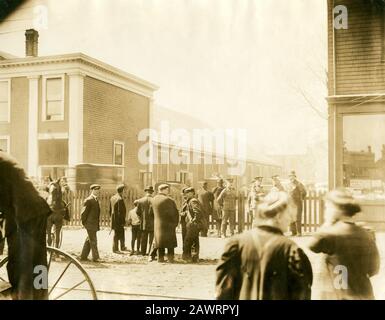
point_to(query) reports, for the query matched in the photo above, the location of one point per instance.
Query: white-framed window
(118, 155)
(5, 100)
(53, 98)
(5, 144)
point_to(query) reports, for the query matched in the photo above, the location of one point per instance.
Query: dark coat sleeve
(300, 275)
(322, 243)
(85, 211)
(139, 210)
(228, 272)
(373, 259)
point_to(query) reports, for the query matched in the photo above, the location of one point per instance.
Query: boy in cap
(118, 219)
(134, 222)
(90, 215)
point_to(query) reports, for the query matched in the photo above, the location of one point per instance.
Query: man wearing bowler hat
(118, 219)
(90, 215)
(146, 215)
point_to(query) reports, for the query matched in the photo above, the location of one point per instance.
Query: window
(54, 104)
(364, 155)
(118, 153)
(4, 101)
(55, 172)
(145, 179)
(4, 144)
(182, 177)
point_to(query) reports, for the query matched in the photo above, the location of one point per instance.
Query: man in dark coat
(166, 218)
(206, 198)
(262, 264)
(90, 215)
(217, 209)
(146, 215)
(297, 193)
(118, 219)
(26, 216)
(194, 216)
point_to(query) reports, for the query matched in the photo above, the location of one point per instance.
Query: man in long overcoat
(118, 219)
(26, 221)
(90, 216)
(166, 218)
(146, 215)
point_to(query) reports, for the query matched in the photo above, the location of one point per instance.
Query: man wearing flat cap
(193, 213)
(263, 264)
(166, 219)
(90, 216)
(118, 218)
(146, 215)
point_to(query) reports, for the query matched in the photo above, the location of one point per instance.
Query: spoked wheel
(67, 279)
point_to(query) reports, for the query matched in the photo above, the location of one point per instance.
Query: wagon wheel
(67, 279)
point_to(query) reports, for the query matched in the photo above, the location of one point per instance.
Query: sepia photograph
(192, 150)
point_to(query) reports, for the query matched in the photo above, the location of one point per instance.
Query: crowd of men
(155, 218)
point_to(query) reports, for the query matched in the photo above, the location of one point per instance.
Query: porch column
(33, 118)
(75, 128)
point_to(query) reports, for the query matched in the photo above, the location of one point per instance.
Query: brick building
(356, 85)
(58, 113)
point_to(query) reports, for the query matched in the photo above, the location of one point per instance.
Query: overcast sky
(235, 63)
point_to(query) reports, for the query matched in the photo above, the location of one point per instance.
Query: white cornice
(75, 63)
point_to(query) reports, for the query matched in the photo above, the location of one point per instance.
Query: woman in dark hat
(263, 264)
(351, 255)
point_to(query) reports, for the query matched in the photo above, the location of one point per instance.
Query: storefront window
(364, 155)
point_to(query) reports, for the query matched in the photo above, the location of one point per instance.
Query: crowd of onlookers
(261, 263)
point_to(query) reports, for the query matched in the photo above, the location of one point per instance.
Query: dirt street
(121, 276)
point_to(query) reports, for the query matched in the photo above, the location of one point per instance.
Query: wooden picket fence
(312, 218)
